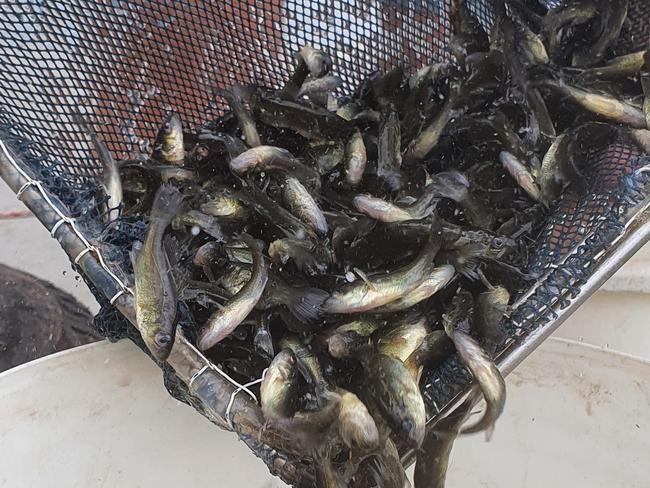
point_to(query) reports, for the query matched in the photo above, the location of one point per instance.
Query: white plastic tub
(98, 416)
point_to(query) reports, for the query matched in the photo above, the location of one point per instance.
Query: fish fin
(304, 303)
(364, 278)
(450, 184)
(180, 274)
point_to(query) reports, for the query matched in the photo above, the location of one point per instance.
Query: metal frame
(217, 393)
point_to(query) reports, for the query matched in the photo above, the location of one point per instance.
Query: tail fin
(167, 203)
(304, 303)
(450, 184)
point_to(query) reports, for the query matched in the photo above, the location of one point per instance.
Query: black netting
(124, 64)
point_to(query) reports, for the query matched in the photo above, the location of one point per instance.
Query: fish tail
(304, 303)
(167, 203)
(451, 184)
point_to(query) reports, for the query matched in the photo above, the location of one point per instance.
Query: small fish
(324, 84)
(565, 16)
(303, 206)
(437, 279)
(318, 62)
(356, 159)
(384, 288)
(428, 139)
(455, 186)
(273, 213)
(531, 44)
(234, 146)
(550, 177)
(206, 223)
(347, 111)
(611, 15)
(307, 363)
(642, 138)
(225, 320)
(206, 254)
(645, 83)
(402, 339)
(491, 306)
(521, 174)
(432, 458)
(168, 146)
(225, 205)
(270, 158)
(111, 181)
(236, 97)
(618, 67)
(603, 105)
(279, 388)
(390, 157)
(155, 290)
(356, 427)
(326, 156)
(386, 467)
(435, 346)
(311, 122)
(483, 369)
(350, 338)
(397, 396)
(384, 211)
(308, 256)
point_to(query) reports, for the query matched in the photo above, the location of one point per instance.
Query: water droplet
(65, 273)
(195, 230)
(349, 276)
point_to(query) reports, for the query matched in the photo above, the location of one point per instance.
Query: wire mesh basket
(124, 64)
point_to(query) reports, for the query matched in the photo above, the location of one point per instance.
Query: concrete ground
(614, 318)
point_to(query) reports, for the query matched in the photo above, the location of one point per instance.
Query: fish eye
(162, 340)
(498, 242)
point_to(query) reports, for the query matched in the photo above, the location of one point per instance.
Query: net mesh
(125, 64)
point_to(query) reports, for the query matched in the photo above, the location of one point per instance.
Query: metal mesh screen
(124, 64)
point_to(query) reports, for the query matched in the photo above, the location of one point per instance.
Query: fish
(168, 147)
(611, 15)
(323, 84)
(356, 159)
(234, 146)
(642, 138)
(432, 460)
(236, 97)
(199, 220)
(563, 17)
(308, 365)
(521, 174)
(551, 177)
(111, 181)
(403, 338)
(390, 157)
(326, 156)
(225, 204)
(486, 374)
(303, 206)
(384, 288)
(273, 213)
(311, 122)
(397, 396)
(386, 467)
(491, 306)
(428, 138)
(356, 427)
(156, 296)
(347, 111)
(318, 62)
(619, 67)
(206, 254)
(312, 258)
(455, 186)
(350, 338)
(437, 279)
(603, 105)
(270, 158)
(435, 346)
(279, 387)
(225, 320)
(531, 44)
(385, 211)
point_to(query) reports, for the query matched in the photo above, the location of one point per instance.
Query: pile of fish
(337, 243)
